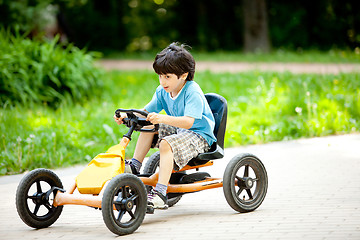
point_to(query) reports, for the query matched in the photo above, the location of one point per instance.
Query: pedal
(150, 210)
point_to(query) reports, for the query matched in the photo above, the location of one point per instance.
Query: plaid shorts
(184, 143)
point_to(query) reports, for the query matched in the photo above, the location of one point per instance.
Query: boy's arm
(181, 122)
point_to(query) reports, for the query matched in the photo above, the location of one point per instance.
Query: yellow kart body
(102, 168)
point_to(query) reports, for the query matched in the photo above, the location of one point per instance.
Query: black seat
(218, 106)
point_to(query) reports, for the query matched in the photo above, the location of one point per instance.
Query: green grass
(263, 107)
(308, 56)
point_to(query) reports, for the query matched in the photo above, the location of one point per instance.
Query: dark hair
(175, 59)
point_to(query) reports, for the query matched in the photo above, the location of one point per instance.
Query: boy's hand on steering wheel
(120, 119)
(154, 118)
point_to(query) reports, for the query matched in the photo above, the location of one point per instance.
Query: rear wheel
(34, 198)
(124, 204)
(151, 167)
(245, 183)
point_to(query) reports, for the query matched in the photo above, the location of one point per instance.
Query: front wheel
(34, 198)
(124, 204)
(245, 183)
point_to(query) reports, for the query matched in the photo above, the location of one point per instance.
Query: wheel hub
(247, 182)
(129, 205)
(124, 204)
(40, 198)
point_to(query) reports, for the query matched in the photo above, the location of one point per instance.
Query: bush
(35, 71)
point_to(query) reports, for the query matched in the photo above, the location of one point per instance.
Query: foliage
(307, 24)
(138, 25)
(263, 107)
(45, 72)
(280, 55)
(27, 15)
(32, 15)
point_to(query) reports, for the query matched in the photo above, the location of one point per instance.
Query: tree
(256, 32)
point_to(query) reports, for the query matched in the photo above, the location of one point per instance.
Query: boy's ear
(184, 76)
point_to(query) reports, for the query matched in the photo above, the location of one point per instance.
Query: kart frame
(126, 193)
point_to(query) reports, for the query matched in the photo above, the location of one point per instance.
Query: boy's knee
(164, 146)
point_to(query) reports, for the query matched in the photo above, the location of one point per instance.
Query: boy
(185, 131)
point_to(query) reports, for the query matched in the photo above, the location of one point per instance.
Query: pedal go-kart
(122, 197)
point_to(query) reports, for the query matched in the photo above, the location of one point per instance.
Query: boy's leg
(157, 198)
(142, 147)
(166, 162)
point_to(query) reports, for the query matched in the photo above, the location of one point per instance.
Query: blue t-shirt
(190, 102)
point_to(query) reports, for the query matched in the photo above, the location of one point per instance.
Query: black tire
(150, 168)
(124, 204)
(34, 198)
(252, 181)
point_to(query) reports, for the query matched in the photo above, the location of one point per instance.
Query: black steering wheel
(134, 122)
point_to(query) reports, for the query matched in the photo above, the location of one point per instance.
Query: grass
(263, 107)
(308, 56)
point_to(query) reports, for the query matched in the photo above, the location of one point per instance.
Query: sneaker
(156, 200)
(130, 168)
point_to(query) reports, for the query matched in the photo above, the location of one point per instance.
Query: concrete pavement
(314, 193)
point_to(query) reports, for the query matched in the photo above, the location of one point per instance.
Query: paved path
(331, 68)
(313, 193)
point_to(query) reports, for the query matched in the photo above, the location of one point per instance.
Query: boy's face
(171, 83)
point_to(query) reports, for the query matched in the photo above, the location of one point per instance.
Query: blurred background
(206, 25)
(57, 101)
